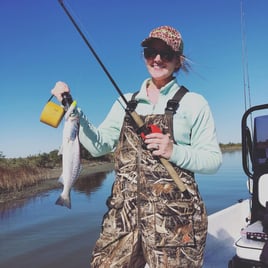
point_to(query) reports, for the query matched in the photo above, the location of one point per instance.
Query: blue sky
(40, 46)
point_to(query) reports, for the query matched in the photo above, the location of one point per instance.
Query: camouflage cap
(169, 35)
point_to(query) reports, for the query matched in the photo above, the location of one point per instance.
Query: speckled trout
(70, 151)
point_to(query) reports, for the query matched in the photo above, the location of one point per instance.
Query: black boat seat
(253, 238)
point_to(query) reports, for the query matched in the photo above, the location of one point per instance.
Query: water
(37, 233)
(227, 186)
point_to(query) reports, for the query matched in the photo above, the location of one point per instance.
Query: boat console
(251, 245)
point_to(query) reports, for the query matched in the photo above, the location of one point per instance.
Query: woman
(149, 219)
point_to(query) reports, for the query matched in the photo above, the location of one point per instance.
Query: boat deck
(223, 230)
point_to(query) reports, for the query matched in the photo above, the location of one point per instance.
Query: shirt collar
(142, 95)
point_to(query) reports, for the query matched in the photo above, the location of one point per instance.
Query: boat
(238, 235)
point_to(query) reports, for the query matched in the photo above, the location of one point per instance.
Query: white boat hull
(224, 229)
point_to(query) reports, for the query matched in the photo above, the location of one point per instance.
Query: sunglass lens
(150, 53)
(167, 55)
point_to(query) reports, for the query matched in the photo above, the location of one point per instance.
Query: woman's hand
(161, 144)
(59, 89)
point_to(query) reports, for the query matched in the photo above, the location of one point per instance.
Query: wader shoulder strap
(170, 169)
(132, 104)
(173, 104)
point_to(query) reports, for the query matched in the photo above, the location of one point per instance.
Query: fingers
(59, 89)
(160, 144)
(153, 146)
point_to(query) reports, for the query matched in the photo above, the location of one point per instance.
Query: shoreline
(50, 179)
(51, 182)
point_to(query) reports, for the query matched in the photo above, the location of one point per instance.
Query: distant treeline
(46, 160)
(16, 173)
(230, 146)
(53, 159)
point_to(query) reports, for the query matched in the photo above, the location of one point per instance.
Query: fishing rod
(136, 118)
(133, 115)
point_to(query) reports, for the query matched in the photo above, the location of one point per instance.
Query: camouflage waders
(148, 220)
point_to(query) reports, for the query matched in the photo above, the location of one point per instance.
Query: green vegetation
(18, 173)
(230, 147)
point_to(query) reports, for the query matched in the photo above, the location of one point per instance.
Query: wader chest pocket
(174, 224)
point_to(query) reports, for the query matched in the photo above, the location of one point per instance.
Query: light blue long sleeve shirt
(196, 148)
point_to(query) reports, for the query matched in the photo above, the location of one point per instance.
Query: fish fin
(60, 180)
(65, 202)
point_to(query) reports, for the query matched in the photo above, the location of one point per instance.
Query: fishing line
(93, 51)
(74, 18)
(142, 128)
(84, 30)
(246, 82)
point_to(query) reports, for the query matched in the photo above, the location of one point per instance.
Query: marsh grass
(18, 173)
(15, 178)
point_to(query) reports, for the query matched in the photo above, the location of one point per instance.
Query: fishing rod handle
(67, 100)
(137, 119)
(170, 169)
(173, 174)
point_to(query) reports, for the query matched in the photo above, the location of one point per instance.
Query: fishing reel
(53, 113)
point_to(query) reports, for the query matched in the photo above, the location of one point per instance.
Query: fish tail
(65, 202)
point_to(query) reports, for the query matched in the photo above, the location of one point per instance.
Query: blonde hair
(184, 63)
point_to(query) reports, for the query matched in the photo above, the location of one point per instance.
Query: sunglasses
(151, 53)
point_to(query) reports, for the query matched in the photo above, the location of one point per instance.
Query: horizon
(2, 155)
(40, 47)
